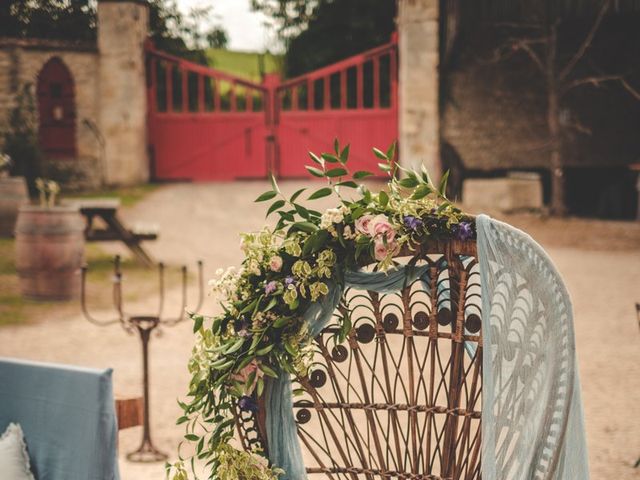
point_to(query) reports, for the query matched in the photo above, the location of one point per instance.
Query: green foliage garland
(261, 331)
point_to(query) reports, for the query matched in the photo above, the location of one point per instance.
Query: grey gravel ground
(600, 262)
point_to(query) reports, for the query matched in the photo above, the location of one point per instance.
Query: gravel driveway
(600, 262)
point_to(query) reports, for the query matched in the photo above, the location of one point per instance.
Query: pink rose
(275, 263)
(379, 227)
(381, 251)
(362, 224)
(243, 375)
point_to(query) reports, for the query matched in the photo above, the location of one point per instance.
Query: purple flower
(289, 280)
(241, 327)
(270, 287)
(412, 223)
(464, 232)
(247, 404)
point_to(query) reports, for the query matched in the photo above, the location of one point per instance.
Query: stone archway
(57, 110)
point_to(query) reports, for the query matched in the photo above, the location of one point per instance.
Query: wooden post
(169, 76)
(376, 82)
(201, 85)
(185, 90)
(359, 86)
(343, 89)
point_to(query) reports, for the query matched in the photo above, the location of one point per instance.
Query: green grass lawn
(128, 196)
(16, 309)
(243, 64)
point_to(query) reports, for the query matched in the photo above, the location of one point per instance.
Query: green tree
(170, 30)
(324, 31)
(21, 138)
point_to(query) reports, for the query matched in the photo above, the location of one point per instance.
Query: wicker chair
(401, 397)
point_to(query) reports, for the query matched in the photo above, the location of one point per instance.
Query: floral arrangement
(47, 192)
(286, 268)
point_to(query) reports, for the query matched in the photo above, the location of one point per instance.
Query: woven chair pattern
(401, 396)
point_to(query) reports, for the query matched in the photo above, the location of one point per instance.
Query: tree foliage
(324, 31)
(76, 20)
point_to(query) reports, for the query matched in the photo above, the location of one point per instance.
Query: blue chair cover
(67, 415)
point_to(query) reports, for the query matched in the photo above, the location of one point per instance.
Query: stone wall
(21, 60)
(418, 90)
(123, 30)
(110, 95)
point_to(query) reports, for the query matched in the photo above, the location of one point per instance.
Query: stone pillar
(123, 27)
(419, 57)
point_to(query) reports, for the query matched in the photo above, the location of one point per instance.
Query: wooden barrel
(13, 194)
(49, 252)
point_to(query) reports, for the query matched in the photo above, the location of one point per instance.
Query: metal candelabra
(143, 325)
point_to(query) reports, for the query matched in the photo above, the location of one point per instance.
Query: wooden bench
(106, 209)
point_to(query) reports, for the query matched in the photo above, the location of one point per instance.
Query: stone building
(90, 97)
(463, 109)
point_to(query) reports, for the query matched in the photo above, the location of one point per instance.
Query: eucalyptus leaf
(306, 226)
(348, 184)
(296, 194)
(391, 151)
(421, 191)
(362, 174)
(330, 158)
(380, 154)
(344, 155)
(323, 192)
(336, 172)
(316, 172)
(266, 196)
(408, 182)
(443, 183)
(275, 206)
(315, 158)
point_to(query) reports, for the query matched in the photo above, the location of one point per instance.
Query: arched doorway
(57, 109)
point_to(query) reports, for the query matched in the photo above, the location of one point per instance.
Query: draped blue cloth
(532, 423)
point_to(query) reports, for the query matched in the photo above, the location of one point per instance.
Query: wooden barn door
(57, 110)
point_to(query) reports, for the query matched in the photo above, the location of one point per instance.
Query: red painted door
(57, 110)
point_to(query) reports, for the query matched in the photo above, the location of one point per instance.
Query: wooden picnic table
(106, 209)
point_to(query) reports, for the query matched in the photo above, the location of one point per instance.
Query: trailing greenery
(261, 331)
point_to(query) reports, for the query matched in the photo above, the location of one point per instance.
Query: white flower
(331, 216)
(347, 233)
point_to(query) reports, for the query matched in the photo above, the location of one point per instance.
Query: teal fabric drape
(532, 412)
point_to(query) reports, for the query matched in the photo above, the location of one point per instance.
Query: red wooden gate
(208, 125)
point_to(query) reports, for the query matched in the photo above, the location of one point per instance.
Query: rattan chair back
(401, 396)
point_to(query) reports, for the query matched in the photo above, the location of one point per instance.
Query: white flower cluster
(225, 286)
(333, 215)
